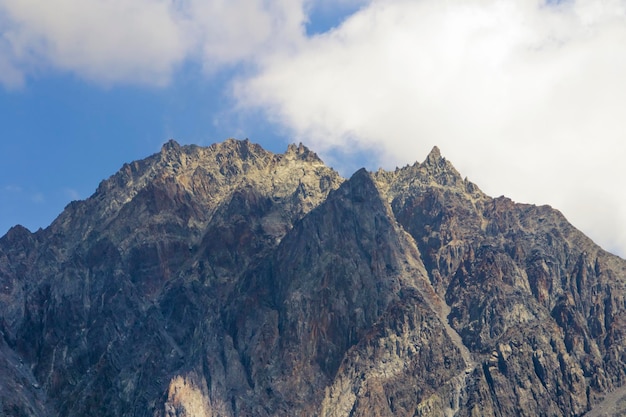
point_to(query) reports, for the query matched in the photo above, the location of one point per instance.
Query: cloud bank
(527, 98)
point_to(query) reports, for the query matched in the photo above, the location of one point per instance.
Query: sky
(527, 98)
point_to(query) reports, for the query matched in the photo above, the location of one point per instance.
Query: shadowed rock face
(230, 281)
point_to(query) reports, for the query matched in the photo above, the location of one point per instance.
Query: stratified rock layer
(231, 281)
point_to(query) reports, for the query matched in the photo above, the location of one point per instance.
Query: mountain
(231, 281)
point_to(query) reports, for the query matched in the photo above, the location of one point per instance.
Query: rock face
(230, 281)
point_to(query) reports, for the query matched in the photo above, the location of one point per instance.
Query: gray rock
(231, 281)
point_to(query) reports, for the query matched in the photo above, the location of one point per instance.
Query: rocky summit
(230, 281)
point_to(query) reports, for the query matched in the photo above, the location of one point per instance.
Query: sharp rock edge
(231, 281)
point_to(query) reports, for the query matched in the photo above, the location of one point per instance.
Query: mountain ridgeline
(230, 281)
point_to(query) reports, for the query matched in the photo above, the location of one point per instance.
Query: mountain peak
(434, 158)
(441, 169)
(434, 170)
(170, 145)
(243, 282)
(239, 150)
(434, 154)
(301, 152)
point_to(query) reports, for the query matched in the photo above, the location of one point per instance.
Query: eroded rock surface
(231, 281)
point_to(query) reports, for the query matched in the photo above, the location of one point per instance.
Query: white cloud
(527, 99)
(229, 32)
(524, 97)
(103, 40)
(138, 41)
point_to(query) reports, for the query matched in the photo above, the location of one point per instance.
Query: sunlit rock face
(231, 281)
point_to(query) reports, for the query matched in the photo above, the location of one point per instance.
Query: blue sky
(525, 97)
(63, 133)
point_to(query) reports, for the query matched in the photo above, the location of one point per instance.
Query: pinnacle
(17, 233)
(241, 149)
(434, 156)
(170, 145)
(437, 163)
(301, 152)
(434, 168)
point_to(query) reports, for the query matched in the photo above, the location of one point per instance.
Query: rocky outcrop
(231, 281)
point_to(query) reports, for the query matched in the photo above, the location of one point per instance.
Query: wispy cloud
(12, 188)
(71, 193)
(38, 197)
(18, 192)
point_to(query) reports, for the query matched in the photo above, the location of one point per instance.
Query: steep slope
(538, 303)
(347, 291)
(231, 281)
(88, 301)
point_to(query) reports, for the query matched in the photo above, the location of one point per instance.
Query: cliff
(231, 281)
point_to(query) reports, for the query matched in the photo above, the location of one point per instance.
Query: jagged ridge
(231, 281)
